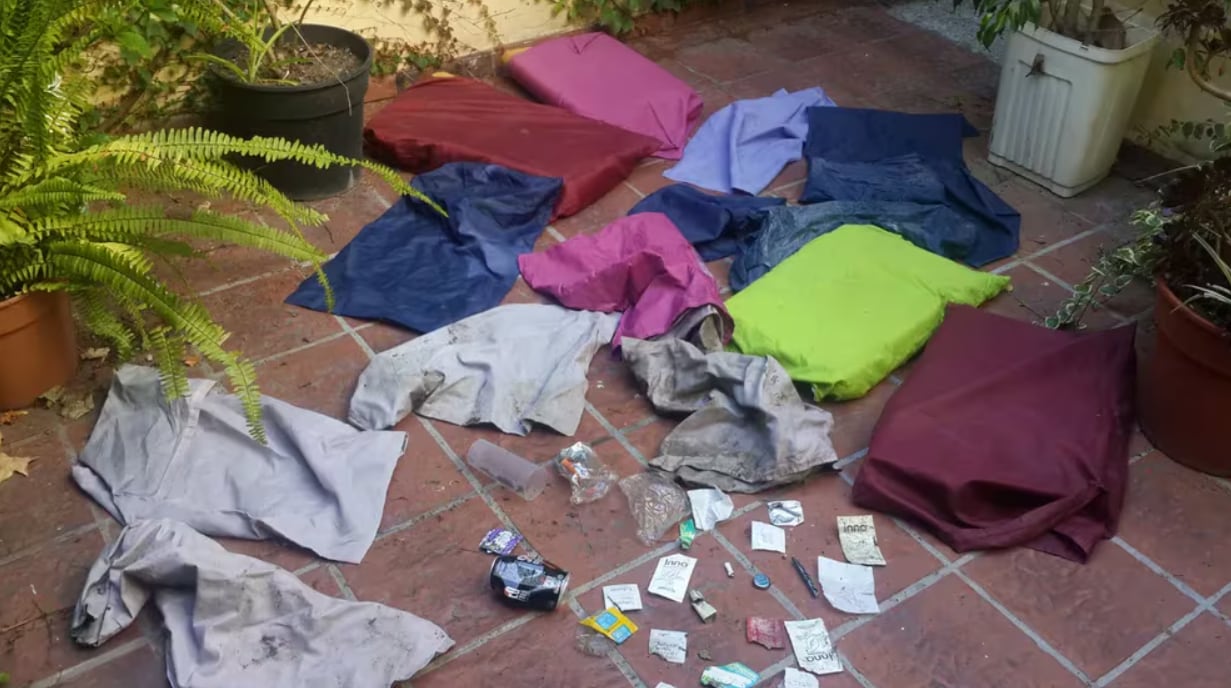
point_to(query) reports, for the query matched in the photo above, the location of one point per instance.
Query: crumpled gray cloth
(233, 621)
(318, 483)
(749, 430)
(510, 366)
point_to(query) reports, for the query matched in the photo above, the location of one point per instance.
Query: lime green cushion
(851, 306)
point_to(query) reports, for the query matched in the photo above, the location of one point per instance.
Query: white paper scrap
(788, 512)
(709, 507)
(670, 645)
(671, 577)
(858, 537)
(625, 597)
(768, 538)
(848, 587)
(813, 649)
(794, 678)
(664, 685)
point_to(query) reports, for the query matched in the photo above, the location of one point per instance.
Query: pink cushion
(596, 76)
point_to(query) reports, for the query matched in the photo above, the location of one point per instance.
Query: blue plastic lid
(760, 581)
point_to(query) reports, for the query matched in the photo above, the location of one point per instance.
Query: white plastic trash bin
(1063, 106)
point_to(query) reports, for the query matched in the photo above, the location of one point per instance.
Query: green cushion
(851, 306)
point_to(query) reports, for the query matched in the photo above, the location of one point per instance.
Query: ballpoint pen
(803, 573)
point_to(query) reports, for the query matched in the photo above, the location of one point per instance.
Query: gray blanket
(318, 483)
(235, 621)
(747, 428)
(510, 366)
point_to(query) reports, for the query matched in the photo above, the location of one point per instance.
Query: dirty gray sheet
(510, 366)
(318, 483)
(236, 621)
(748, 428)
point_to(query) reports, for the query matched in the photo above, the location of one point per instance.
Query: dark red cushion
(452, 119)
(1007, 434)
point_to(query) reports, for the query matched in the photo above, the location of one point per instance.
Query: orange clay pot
(1185, 397)
(38, 346)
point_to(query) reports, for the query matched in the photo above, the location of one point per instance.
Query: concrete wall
(516, 20)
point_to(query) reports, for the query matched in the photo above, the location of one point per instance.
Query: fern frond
(98, 317)
(168, 351)
(54, 194)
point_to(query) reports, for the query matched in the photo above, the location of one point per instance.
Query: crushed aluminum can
(704, 609)
(528, 584)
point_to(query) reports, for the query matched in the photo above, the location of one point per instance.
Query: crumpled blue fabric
(743, 146)
(416, 268)
(876, 155)
(715, 225)
(785, 230)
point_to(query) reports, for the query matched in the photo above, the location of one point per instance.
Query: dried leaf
(191, 360)
(52, 396)
(96, 354)
(10, 417)
(76, 406)
(13, 464)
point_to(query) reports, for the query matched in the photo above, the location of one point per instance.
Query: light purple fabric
(639, 264)
(596, 76)
(743, 146)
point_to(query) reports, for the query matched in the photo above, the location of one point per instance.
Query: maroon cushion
(452, 119)
(1007, 434)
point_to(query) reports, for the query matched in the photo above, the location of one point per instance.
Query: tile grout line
(93, 662)
(475, 643)
(555, 234)
(616, 434)
(1049, 275)
(633, 188)
(1159, 570)
(336, 574)
(43, 545)
(746, 563)
(1149, 647)
(1043, 645)
(302, 347)
(613, 655)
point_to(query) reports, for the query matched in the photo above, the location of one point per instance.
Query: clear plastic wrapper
(581, 467)
(656, 503)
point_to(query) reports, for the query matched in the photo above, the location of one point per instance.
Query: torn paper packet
(788, 512)
(670, 645)
(625, 597)
(848, 587)
(671, 577)
(733, 675)
(794, 678)
(767, 538)
(769, 633)
(709, 507)
(814, 650)
(858, 537)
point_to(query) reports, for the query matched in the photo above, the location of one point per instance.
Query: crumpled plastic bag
(588, 475)
(656, 502)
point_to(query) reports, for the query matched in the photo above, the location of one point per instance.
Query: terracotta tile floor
(1151, 607)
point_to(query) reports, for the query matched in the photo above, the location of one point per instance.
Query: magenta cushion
(596, 76)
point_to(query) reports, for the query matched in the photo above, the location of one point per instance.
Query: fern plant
(66, 222)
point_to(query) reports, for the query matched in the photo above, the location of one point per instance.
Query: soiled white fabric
(235, 621)
(510, 366)
(749, 430)
(318, 483)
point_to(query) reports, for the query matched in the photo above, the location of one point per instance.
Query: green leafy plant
(1184, 239)
(617, 16)
(1097, 25)
(69, 215)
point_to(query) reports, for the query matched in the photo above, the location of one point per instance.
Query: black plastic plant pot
(329, 114)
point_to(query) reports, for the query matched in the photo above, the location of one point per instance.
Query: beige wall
(1168, 93)
(516, 20)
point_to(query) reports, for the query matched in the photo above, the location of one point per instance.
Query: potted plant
(1071, 75)
(1184, 245)
(69, 228)
(301, 82)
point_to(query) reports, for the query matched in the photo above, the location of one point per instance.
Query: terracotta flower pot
(1185, 394)
(38, 346)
